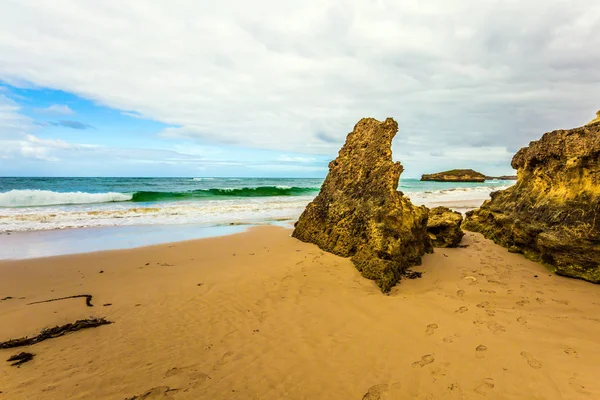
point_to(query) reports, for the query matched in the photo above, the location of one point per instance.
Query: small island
(455, 175)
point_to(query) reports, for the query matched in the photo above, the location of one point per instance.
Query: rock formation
(455, 175)
(443, 226)
(552, 213)
(360, 214)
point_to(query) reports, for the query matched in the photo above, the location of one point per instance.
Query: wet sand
(259, 315)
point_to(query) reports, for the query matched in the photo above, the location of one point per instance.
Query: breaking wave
(31, 198)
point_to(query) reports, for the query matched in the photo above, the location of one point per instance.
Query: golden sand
(260, 315)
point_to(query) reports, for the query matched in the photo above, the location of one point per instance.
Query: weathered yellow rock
(360, 214)
(443, 226)
(552, 213)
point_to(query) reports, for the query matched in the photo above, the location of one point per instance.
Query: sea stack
(360, 214)
(552, 213)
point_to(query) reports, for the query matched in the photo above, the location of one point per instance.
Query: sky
(272, 88)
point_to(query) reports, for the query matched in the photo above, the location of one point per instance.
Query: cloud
(18, 139)
(286, 158)
(297, 76)
(55, 109)
(69, 124)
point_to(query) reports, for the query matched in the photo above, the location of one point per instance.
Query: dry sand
(259, 315)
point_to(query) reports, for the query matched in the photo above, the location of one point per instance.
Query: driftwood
(20, 358)
(55, 332)
(88, 299)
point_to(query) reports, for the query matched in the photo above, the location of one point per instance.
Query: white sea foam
(477, 193)
(212, 212)
(29, 198)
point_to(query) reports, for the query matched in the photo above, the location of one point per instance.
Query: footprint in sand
(531, 360)
(460, 293)
(572, 352)
(483, 304)
(522, 302)
(450, 339)
(426, 359)
(382, 391)
(376, 392)
(485, 387)
(563, 302)
(480, 351)
(577, 385)
(462, 310)
(430, 330)
(540, 300)
(186, 376)
(495, 327)
(522, 320)
(487, 291)
(490, 313)
(441, 370)
(223, 361)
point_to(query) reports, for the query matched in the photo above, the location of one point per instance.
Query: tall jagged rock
(360, 214)
(552, 213)
(443, 226)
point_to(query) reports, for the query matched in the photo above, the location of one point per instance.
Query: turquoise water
(31, 204)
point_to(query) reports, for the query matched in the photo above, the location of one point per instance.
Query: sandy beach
(260, 315)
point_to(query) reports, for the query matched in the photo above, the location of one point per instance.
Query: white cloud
(299, 159)
(296, 76)
(55, 109)
(19, 141)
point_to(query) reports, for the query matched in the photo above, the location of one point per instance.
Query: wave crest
(261, 191)
(30, 198)
(33, 198)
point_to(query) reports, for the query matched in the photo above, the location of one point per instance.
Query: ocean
(41, 204)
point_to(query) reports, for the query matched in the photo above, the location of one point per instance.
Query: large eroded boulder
(360, 214)
(443, 226)
(552, 213)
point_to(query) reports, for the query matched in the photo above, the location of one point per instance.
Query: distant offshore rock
(552, 213)
(455, 175)
(501, 178)
(360, 214)
(443, 226)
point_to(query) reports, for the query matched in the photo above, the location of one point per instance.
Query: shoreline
(259, 314)
(20, 245)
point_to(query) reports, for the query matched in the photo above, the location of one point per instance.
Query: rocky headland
(552, 213)
(455, 175)
(360, 214)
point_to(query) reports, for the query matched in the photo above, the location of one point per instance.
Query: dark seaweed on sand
(55, 332)
(20, 358)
